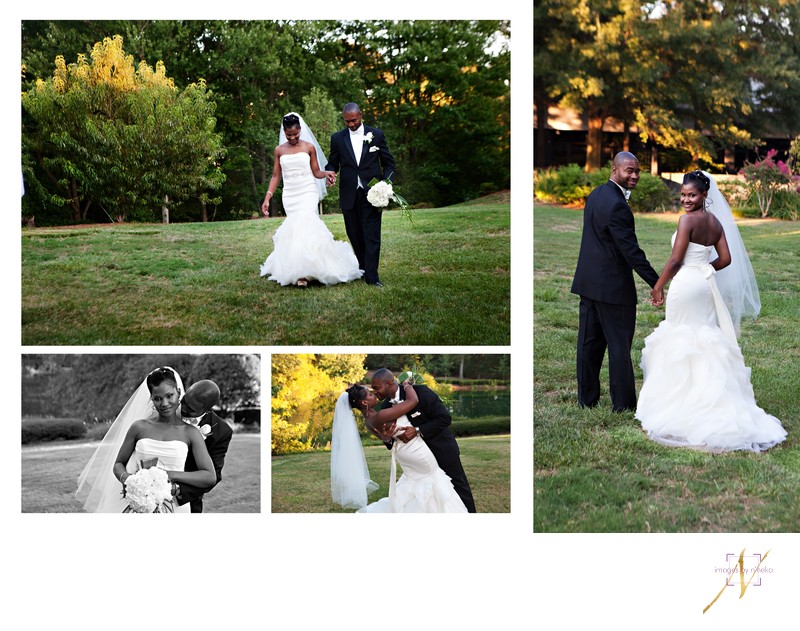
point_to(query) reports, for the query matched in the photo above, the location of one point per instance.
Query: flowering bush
(766, 177)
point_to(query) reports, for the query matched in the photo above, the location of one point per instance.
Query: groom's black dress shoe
(377, 283)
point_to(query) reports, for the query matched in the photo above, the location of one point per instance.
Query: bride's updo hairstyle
(159, 376)
(355, 395)
(291, 120)
(698, 179)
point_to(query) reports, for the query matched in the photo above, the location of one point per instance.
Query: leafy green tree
(119, 136)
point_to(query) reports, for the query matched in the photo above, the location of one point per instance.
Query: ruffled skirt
(422, 488)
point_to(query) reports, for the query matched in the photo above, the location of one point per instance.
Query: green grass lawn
(301, 483)
(50, 472)
(446, 282)
(596, 471)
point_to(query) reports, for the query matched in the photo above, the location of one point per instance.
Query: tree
(119, 136)
(304, 392)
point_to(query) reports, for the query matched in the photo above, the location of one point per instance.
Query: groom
(196, 409)
(360, 153)
(604, 281)
(430, 420)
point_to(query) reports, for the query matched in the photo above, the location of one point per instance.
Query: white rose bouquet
(148, 491)
(381, 192)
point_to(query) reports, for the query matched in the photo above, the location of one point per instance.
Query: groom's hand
(657, 297)
(407, 434)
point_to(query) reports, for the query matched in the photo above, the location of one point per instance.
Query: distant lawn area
(50, 473)
(446, 282)
(301, 483)
(596, 471)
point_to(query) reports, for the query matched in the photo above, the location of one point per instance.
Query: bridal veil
(350, 482)
(737, 282)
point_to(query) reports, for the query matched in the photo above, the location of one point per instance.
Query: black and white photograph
(141, 433)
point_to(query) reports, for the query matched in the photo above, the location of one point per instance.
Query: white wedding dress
(697, 390)
(422, 488)
(303, 245)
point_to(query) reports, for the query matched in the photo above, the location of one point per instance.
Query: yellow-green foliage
(304, 392)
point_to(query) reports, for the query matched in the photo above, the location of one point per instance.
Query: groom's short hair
(351, 107)
(383, 374)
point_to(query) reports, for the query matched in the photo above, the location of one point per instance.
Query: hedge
(44, 429)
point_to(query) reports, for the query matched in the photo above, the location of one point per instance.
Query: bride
(697, 390)
(304, 247)
(149, 429)
(422, 488)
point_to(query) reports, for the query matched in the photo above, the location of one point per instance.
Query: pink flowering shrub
(765, 177)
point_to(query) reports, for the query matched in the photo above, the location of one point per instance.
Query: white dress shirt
(357, 140)
(625, 191)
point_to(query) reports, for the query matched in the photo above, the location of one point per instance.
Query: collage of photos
(266, 277)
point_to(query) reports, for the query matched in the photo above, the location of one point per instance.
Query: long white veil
(308, 135)
(98, 488)
(350, 482)
(737, 282)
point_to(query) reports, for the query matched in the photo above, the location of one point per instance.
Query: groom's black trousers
(603, 325)
(363, 226)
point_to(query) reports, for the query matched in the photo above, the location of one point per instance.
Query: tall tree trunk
(165, 210)
(626, 136)
(654, 159)
(203, 211)
(730, 160)
(542, 106)
(461, 368)
(594, 139)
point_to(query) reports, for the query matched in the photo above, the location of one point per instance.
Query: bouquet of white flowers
(148, 491)
(381, 192)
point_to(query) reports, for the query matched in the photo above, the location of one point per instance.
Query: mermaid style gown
(303, 245)
(697, 390)
(422, 488)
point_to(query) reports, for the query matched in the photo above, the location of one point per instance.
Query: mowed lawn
(301, 483)
(596, 471)
(446, 282)
(50, 472)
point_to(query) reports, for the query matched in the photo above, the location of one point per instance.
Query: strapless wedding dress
(422, 488)
(303, 245)
(697, 391)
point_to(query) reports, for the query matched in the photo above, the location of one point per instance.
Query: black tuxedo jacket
(433, 420)
(609, 250)
(376, 162)
(217, 445)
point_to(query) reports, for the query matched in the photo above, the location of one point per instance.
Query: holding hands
(657, 297)
(330, 177)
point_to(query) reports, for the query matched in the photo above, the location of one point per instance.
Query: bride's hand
(657, 297)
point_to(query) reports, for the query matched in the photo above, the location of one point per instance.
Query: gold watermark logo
(753, 572)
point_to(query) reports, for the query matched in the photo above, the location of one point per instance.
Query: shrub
(287, 438)
(563, 185)
(570, 184)
(736, 192)
(39, 430)
(651, 195)
(785, 205)
(766, 177)
(481, 426)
